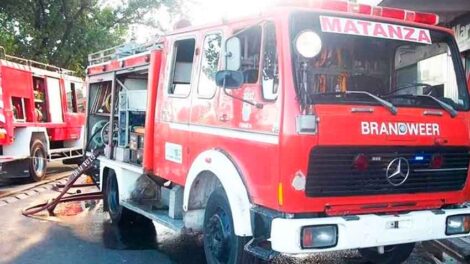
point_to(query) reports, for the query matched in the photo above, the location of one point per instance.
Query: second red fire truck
(312, 127)
(42, 114)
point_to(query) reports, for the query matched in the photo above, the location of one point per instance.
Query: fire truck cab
(311, 127)
(42, 113)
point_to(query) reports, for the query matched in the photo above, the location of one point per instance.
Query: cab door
(172, 115)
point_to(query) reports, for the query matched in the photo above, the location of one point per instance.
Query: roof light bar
(426, 18)
(343, 6)
(390, 12)
(359, 8)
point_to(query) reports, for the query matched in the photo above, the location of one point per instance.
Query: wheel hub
(38, 162)
(218, 232)
(113, 195)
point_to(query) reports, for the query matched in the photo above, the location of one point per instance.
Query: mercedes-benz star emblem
(398, 171)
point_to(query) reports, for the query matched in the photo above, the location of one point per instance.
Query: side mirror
(229, 79)
(233, 54)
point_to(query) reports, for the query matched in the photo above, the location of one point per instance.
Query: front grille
(331, 171)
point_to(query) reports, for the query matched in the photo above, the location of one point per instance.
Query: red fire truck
(311, 127)
(42, 114)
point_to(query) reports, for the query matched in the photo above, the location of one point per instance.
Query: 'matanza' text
(400, 129)
(374, 29)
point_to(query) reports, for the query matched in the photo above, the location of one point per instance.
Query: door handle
(362, 110)
(433, 113)
(223, 118)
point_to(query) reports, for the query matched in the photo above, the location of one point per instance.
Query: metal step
(65, 153)
(460, 245)
(254, 249)
(62, 150)
(454, 250)
(159, 216)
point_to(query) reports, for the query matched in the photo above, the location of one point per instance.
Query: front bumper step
(365, 231)
(260, 252)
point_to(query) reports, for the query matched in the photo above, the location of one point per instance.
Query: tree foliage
(64, 32)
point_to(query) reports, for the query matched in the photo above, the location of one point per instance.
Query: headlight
(458, 224)
(308, 44)
(322, 236)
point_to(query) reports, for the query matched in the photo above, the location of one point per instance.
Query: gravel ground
(82, 233)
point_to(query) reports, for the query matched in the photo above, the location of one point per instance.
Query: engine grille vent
(331, 171)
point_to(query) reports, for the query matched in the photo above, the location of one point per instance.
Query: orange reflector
(89, 180)
(280, 194)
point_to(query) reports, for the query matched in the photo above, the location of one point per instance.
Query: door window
(270, 66)
(75, 98)
(180, 82)
(209, 65)
(250, 41)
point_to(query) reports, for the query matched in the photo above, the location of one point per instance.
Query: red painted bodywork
(154, 77)
(265, 166)
(18, 82)
(119, 64)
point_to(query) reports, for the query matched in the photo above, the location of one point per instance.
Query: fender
(126, 176)
(226, 172)
(20, 147)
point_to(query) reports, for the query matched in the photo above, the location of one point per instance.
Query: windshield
(408, 67)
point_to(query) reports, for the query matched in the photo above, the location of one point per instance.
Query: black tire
(37, 161)
(221, 245)
(393, 254)
(118, 214)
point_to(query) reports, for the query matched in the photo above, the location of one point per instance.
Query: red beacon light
(361, 162)
(437, 160)
(426, 18)
(388, 12)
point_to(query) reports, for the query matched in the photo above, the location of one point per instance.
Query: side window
(80, 97)
(270, 66)
(75, 98)
(71, 99)
(209, 65)
(250, 53)
(180, 83)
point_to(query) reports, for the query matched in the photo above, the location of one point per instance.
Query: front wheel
(221, 244)
(37, 161)
(392, 254)
(119, 215)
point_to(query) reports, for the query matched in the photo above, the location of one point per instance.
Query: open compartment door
(54, 99)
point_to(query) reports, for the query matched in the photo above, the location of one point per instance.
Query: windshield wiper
(452, 112)
(383, 102)
(447, 107)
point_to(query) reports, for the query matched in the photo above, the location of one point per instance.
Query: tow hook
(381, 250)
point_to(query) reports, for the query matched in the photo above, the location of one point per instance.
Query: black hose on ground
(77, 173)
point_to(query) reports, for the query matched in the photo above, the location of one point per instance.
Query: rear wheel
(221, 244)
(392, 254)
(117, 213)
(37, 161)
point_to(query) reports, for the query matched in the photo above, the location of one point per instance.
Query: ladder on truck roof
(32, 63)
(121, 51)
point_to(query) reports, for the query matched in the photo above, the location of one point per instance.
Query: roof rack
(32, 63)
(122, 51)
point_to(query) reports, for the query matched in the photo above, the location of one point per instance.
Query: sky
(232, 8)
(205, 11)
